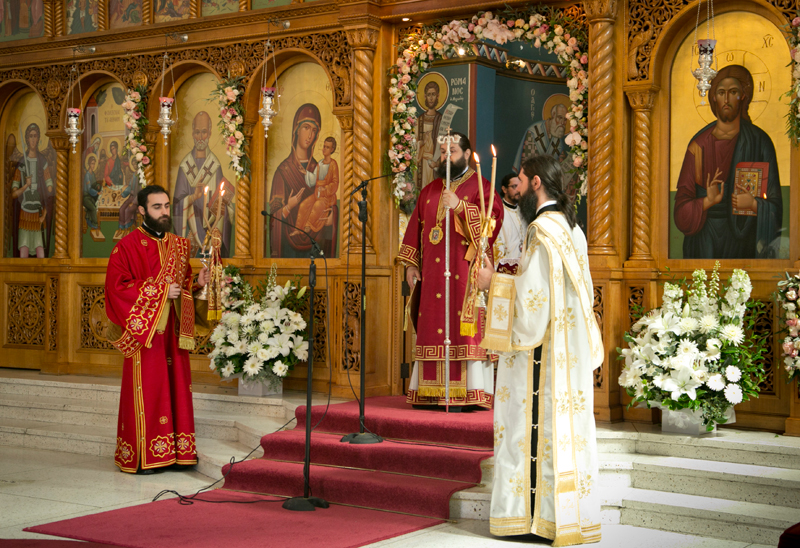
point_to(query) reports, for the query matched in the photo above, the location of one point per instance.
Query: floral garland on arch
(793, 117)
(699, 351)
(546, 27)
(229, 94)
(135, 106)
(788, 297)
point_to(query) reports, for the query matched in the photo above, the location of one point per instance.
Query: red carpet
(441, 455)
(167, 524)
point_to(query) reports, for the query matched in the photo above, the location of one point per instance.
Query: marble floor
(39, 486)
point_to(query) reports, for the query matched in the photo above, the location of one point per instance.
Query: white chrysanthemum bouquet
(262, 334)
(789, 299)
(698, 351)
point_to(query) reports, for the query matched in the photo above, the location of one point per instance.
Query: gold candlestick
(494, 174)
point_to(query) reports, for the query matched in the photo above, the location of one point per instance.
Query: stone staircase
(77, 417)
(731, 485)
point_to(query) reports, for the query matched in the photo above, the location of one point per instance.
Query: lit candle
(494, 174)
(219, 203)
(480, 183)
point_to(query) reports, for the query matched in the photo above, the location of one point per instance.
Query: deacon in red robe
(423, 251)
(151, 312)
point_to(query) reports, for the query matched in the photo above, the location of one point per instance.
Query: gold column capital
(363, 37)
(600, 10)
(642, 98)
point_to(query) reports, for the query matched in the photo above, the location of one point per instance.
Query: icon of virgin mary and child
(304, 191)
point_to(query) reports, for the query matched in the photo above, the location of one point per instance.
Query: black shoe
(418, 406)
(456, 408)
(149, 471)
(177, 466)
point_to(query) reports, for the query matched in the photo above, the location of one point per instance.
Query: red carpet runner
(440, 455)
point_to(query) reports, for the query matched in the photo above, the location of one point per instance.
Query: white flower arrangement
(262, 338)
(135, 106)
(788, 293)
(229, 94)
(566, 38)
(692, 352)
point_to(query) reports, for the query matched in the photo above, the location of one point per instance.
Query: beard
(201, 144)
(163, 224)
(456, 168)
(728, 115)
(559, 131)
(528, 204)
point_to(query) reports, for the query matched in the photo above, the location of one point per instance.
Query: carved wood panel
(52, 313)
(764, 320)
(598, 314)
(94, 321)
(635, 303)
(25, 314)
(645, 20)
(331, 48)
(351, 360)
(320, 326)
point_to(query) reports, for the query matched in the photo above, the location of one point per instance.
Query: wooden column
(244, 5)
(195, 9)
(58, 18)
(151, 140)
(601, 15)
(60, 143)
(243, 218)
(642, 104)
(102, 15)
(349, 216)
(147, 12)
(364, 41)
(48, 18)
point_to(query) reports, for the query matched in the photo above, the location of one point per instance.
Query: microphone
(365, 181)
(314, 245)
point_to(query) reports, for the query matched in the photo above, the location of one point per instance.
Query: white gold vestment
(549, 304)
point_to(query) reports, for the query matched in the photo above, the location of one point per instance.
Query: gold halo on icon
(444, 91)
(553, 100)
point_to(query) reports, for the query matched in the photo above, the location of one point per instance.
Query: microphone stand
(307, 503)
(362, 437)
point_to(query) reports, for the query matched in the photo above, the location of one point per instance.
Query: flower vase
(273, 387)
(688, 422)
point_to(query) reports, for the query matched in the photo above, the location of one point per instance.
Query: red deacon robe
(155, 427)
(419, 250)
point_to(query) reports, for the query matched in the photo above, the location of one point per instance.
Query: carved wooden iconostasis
(333, 64)
(54, 318)
(667, 119)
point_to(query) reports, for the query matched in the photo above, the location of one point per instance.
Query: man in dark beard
(458, 165)
(154, 207)
(720, 216)
(425, 251)
(541, 189)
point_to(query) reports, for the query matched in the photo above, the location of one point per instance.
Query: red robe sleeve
(689, 213)
(410, 249)
(134, 301)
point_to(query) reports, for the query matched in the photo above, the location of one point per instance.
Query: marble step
(721, 480)
(705, 516)
(84, 396)
(727, 445)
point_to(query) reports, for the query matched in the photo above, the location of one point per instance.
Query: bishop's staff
(447, 140)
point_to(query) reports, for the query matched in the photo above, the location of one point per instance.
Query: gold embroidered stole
(553, 233)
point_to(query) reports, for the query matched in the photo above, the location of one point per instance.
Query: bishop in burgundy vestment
(423, 246)
(156, 420)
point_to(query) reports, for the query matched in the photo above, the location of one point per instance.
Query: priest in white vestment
(542, 324)
(508, 245)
